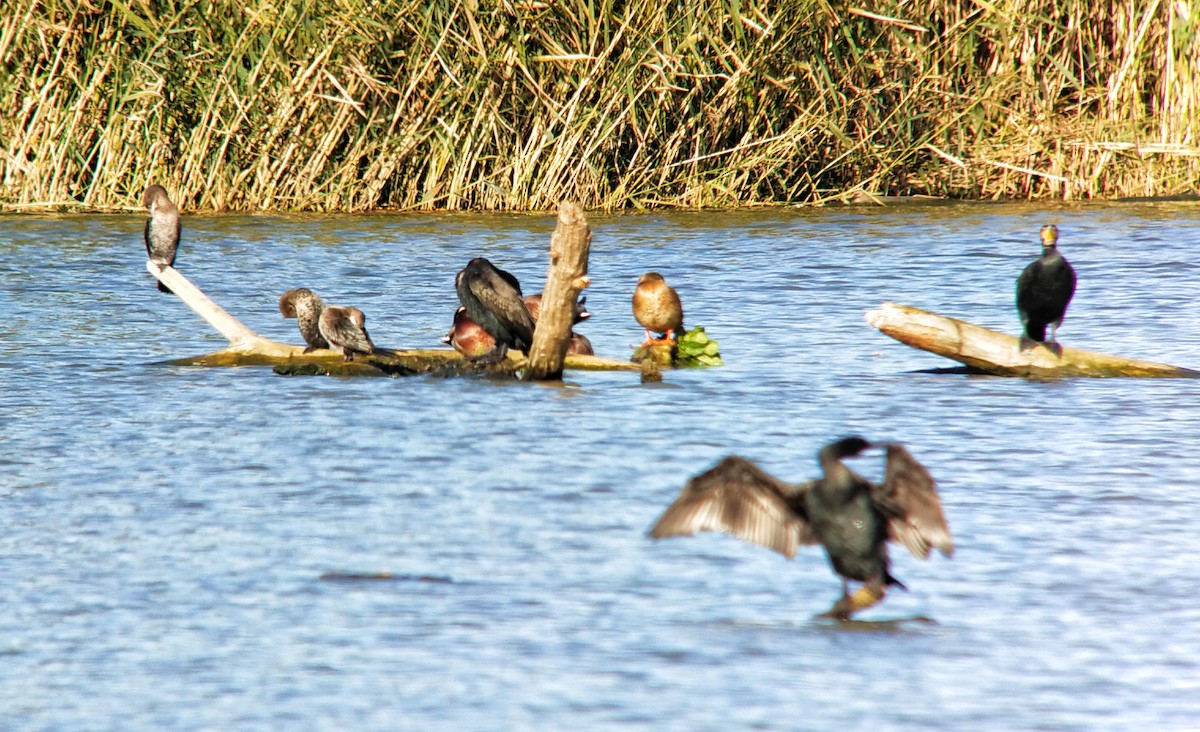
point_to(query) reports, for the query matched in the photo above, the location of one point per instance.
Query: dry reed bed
(518, 105)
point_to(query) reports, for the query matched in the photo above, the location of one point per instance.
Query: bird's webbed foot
(868, 595)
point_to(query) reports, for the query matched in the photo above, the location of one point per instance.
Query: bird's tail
(164, 288)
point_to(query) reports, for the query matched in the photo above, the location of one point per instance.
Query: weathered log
(1000, 354)
(565, 279)
(247, 348)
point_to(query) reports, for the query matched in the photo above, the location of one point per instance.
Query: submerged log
(565, 279)
(1000, 354)
(247, 348)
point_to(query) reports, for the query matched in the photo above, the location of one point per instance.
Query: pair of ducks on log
(852, 518)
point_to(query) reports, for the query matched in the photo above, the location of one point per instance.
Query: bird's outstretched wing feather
(909, 499)
(737, 497)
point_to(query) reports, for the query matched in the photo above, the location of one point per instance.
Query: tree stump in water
(565, 279)
(1000, 354)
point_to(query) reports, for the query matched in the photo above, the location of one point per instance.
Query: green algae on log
(693, 349)
(1000, 354)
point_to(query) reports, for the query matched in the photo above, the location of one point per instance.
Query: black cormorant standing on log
(346, 328)
(844, 512)
(1044, 290)
(162, 228)
(306, 307)
(492, 298)
(657, 308)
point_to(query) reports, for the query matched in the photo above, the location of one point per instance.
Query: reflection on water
(226, 548)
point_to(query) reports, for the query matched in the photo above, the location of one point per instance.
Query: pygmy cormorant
(162, 228)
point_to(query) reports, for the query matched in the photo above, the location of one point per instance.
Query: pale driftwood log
(1000, 354)
(247, 348)
(565, 279)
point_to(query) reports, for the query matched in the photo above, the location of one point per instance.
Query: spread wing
(909, 499)
(737, 497)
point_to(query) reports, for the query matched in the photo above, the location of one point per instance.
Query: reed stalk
(521, 104)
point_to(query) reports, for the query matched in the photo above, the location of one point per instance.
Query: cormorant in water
(346, 328)
(657, 308)
(1044, 289)
(844, 512)
(304, 305)
(162, 228)
(492, 298)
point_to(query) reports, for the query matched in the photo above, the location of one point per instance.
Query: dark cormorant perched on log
(844, 512)
(162, 228)
(657, 308)
(1044, 289)
(306, 307)
(492, 298)
(346, 328)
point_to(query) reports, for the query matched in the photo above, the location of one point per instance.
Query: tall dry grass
(357, 104)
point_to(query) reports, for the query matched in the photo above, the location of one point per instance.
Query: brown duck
(346, 328)
(851, 517)
(304, 305)
(657, 308)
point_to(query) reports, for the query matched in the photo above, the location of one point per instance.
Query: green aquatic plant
(695, 348)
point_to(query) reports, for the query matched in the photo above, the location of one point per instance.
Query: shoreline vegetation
(518, 105)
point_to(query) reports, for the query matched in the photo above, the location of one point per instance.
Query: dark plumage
(847, 514)
(162, 228)
(346, 328)
(492, 298)
(1044, 289)
(657, 308)
(304, 305)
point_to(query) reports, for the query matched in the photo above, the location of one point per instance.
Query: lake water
(183, 548)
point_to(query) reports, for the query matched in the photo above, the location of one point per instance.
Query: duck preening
(1044, 289)
(162, 228)
(657, 308)
(346, 328)
(306, 307)
(851, 517)
(492, 299)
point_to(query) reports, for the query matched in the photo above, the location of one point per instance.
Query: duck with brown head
(162, 228)
(578, 344)
(657, 308)
(346, 328)
(304, 305)
(851, 517)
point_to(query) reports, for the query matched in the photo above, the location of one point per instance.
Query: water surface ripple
(230, 549)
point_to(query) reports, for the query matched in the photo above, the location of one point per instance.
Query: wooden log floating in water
(247, 348)
(1000, 354)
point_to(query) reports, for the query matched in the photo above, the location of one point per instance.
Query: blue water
(186, 548)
